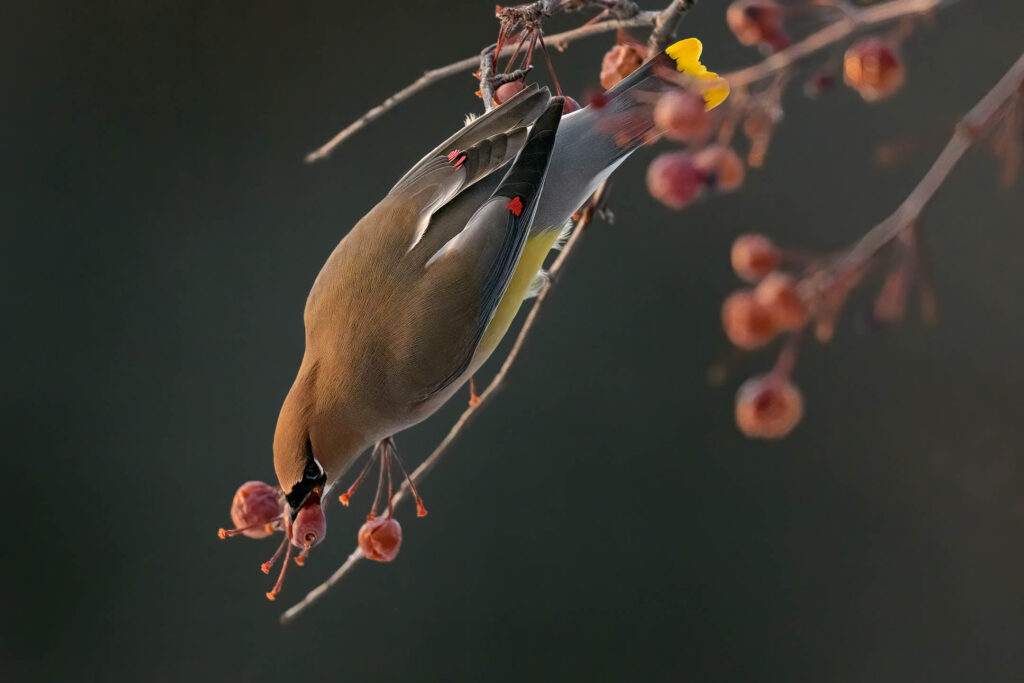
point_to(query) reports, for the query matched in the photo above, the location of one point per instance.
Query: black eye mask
(313, 476)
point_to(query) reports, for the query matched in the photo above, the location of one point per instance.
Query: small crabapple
(681, 115)
(506, 91)
(754, 256)
(620, 61)
(380, 538)
(778, 294)
(747, 323)
(874, 68)
(673, 180)
(721, 166)
(310, 526)
(256, 510)
(768, 407)
(569, 105)
(757, 21)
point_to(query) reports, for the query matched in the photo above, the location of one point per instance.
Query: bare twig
(469, 64)
(853, 20)
(979, 120)
(665, 25)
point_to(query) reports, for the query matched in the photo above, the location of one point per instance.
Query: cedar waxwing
(419, 293)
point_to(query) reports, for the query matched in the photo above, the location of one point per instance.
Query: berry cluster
(259, 510)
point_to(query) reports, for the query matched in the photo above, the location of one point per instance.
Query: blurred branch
(853, 19)
(665, 25)
(978, 121)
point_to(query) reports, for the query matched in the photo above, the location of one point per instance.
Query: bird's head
(301, 476)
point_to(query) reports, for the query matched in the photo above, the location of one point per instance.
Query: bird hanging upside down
(418, 294)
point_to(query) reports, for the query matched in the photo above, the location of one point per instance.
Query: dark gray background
(602, 519)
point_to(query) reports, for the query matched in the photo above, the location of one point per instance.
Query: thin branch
(665, 25)
(978, 120)
(853, 20)
(469, 64)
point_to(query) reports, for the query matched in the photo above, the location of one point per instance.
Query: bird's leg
(385, 463)
(421, 510)
(474, 398)
(385, 448)
(345, 497)
(284, 567)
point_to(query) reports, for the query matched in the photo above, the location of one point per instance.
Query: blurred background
(603, 519)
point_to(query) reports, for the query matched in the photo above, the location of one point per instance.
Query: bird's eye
(312, 470)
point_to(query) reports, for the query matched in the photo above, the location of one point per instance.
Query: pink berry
(768, 407)
(757, 21)
(754, 256)
(381, 538)
(310, 526)
(721, 166)
(569, 105)
(778, 294)
(673, 180)
(620, 61)
(746, 322)
(256, 510)
(506, 91)
(681, 115)
(873, 68)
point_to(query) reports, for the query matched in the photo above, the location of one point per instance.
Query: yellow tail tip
(686, 54)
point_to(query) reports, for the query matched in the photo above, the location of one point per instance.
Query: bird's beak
(303, 490)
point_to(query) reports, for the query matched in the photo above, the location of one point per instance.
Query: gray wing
(472, 271)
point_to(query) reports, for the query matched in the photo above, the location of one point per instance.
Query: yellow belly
(534, 252)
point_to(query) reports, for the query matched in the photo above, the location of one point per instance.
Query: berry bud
(569, 105)
(620, 61)
(768, 407)
(506, 91)
(818, 84)
(747, 323)
(380, 538)
(754, 256)
(681, 115)
(673, 180)
(778, 294)
(256, 510)
(757, 21)
(873, 68)
(721, 167)
(310, 526)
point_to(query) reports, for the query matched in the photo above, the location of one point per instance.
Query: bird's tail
(593, 141)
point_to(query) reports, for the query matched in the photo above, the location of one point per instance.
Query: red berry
(747, 323)
(620, 61)
(569, 105)
(673, 180)
(256, 510)
(681, 115)
(779, 295)
(380, 538)
(506, 91)
(310, 526)
(754, 256)
(757, 21)
(768, 407)
(721, 166)
(873, 68)
(819, 84)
